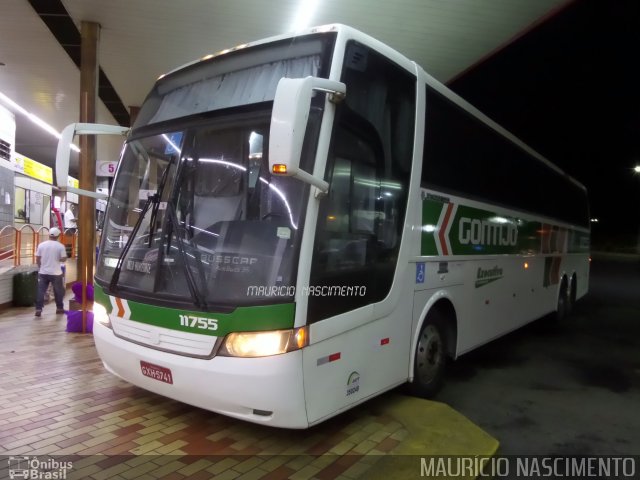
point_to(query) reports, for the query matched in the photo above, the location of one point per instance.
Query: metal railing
(18, 244)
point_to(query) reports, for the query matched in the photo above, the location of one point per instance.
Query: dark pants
(58, 290)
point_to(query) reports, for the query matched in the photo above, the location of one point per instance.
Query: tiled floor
(57, 399)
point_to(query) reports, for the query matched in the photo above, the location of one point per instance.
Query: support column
(89, 66)
(133, 114)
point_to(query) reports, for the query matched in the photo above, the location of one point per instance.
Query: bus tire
(563, 307)
(430, 357)
(573, 293)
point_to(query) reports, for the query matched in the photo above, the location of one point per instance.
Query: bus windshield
(195, 216)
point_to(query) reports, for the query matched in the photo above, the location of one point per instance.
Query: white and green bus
(299, 224)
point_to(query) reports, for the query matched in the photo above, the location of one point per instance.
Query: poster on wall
(7, 134)
(31, 168)
(75, 183)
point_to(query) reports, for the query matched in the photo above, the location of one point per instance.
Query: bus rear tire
(563, 308)
(430, 357)
(572, 295)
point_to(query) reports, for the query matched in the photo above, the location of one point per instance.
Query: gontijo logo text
(487, 232)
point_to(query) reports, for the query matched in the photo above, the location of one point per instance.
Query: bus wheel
(571, 300)
(430, 358)
(563, 308)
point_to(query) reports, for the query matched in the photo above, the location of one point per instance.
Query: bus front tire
(430, 358)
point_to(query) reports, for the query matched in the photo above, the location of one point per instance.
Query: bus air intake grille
(159, 338)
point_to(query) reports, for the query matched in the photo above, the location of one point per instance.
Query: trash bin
(25, 286)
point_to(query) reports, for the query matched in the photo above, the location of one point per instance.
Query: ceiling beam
(57, 19)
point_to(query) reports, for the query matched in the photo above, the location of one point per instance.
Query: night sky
(570, 88)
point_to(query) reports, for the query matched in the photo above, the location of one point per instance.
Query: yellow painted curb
(434, 429)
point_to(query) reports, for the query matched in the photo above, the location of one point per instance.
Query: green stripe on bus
(242, 319)
(431, 210)
(480, 232)
(475, 231)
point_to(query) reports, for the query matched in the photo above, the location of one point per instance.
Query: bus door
(355, 350)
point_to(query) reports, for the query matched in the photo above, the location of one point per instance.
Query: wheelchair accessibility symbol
(420, 268)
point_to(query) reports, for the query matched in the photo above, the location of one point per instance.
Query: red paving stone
(173, 476)
(336, 468)
(109, 462)
(326, 444)
(202, 446)
(134, 414)
(203, 475)
(122, 439)
(129, 429)
(387, 445)
(172, 437)
(279, 473)
(74, 440)
(120, 449)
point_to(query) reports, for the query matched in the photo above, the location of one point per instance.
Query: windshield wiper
(151, 200)
(156, 204)
(195, 293)
(116, 272)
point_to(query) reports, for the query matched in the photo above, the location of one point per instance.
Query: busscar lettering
(228, 259)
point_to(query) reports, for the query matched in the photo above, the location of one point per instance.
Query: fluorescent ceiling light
(34, 118)
(305, 13)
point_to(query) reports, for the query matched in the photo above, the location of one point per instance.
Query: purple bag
(74, 321)
(76, 288)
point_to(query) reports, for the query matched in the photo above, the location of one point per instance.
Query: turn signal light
(279, 168)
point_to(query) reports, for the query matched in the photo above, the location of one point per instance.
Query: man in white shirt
(70, 222)
(49, 255)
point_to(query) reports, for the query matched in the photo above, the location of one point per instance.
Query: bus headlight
(264, 344)
(100, 315)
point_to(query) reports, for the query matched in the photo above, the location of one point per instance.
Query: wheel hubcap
(429, 354)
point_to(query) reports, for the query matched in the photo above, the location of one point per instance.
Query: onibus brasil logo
(35, 468)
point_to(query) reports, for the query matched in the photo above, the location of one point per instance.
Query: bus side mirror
(63, 152)
(289, 124)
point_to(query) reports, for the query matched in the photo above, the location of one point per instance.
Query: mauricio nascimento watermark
(529, 466)
(309, 291)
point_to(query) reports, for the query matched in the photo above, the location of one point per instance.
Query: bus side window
(360, 221)
(354, 225)
(347, 227)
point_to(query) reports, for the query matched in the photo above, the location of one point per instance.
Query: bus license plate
(156, 372)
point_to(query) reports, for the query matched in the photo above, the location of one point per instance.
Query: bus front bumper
(267, 390)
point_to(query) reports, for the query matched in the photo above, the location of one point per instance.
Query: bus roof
(404, 62)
